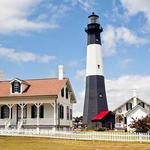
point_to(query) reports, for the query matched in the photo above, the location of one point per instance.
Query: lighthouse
(95, 94)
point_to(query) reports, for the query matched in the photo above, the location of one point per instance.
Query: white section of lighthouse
(94, 63)
(95, 94)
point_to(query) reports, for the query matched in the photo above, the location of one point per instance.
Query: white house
(37, 103)
(132, 108)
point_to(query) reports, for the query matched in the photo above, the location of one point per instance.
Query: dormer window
(16, 87)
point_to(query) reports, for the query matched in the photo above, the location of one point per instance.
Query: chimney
(134, 97)
(1, 75)
(60, 72)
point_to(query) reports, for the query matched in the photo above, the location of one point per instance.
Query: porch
(28, 115)
(120, 121)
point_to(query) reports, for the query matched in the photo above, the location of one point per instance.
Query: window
(98, 66)
(62, 92)
(67, 112)
(141, 104)
(61, 111)
(67, 93)
(33, 111)
(16, 87)
(120, 110)
(70, 114)
(4, 112)
(41, 111)
(125, 120)
(100, 95)
(129, 106)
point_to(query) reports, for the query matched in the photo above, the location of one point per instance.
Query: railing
(7, 124)
(119, 125)
(102, 136)
(20, 123)
(27, 121)
(42, 121)
(3, 121)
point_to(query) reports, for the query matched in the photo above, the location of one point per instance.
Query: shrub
(141, 125)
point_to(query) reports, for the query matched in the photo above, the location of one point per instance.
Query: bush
(101, 129)
(141, 125)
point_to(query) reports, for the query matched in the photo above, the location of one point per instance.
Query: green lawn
(26, 143)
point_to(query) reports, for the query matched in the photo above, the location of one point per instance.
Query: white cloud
(109, 39)
(80, 74)
(23, 56)
(129, 37)
(134, 7)
(112, 36)
(86, 5)
(120, 90)
(15, 14)
(126, 62)
(24, 15)
(78, 107)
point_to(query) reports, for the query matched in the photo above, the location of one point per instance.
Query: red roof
(100, 116)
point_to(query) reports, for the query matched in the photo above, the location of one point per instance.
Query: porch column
(22, 107)
(10, 111)
(38, 115)
(54, 115)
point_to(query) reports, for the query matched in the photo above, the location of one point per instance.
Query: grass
(29, 143)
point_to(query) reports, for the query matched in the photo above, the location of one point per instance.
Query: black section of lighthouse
(95, 95)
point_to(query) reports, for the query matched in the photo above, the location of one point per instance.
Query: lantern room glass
(93, 19)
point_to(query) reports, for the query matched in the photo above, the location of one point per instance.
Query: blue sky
(38, 35)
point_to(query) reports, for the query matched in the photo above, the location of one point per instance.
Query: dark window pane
(4, 112)
(61, 110)
(67, 93)
(62, 92)
(128, 106)
(67, 112)
(70, 114)
(16, 87)
(33, 112)
(41, 111)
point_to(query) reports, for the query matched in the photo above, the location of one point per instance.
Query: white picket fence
(102, 136)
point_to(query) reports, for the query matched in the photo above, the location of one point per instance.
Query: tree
(77, 122)
(141, 125)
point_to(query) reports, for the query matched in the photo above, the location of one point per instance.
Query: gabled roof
(19, 80)
(128, 101)
(38, 87)
(137, 107)
(100, 116)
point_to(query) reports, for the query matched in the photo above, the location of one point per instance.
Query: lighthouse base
(95, 98)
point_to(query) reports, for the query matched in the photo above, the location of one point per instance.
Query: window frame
(16, 87)
(68, 113)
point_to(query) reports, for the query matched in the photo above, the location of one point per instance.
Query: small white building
(37, 103)
(132, 108)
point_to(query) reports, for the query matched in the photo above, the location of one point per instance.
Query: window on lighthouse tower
(100, 95)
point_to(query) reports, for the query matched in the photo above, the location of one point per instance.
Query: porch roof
(100, 116)
(37, 87)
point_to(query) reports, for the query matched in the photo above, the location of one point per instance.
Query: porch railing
(28, 121)
(42, 121)
(119, 125)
